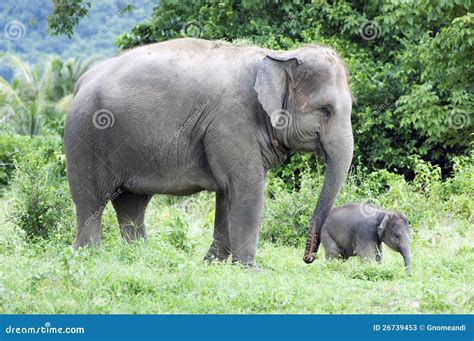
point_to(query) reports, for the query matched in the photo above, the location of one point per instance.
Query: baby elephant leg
(330, 246)
(379, 255)
(367, 251)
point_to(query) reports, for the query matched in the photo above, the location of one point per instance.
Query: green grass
(158, 276)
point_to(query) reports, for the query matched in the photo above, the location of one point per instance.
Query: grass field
(166, 274)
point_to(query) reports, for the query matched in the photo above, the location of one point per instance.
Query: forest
(411, 73)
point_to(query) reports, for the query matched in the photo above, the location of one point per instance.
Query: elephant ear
(274, 77)
(403, 217)
(382, 226)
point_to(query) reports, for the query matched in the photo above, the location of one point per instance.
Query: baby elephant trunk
(405, 252)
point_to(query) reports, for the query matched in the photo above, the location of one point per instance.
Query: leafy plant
(13, 146)
(42, 208)
(36, 98)
(411, 78)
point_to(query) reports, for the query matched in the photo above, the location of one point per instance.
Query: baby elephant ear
(274, 75)
(403, 217)
(381, 227)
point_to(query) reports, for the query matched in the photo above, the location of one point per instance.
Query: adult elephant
(187, 115)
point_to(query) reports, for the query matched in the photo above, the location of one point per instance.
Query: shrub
(176, 230)
(42, 207)
(426, 200)
(287, 211)
(14, 145)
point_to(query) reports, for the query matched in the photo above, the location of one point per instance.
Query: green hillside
(24, 30)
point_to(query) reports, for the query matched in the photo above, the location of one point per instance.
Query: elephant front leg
(379, 255)
(245, 208)
(220, 247)
(366, 251)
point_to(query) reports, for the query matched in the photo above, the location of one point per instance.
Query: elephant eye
(326, 111)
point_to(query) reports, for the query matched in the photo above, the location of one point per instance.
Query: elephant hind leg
(130, 209)
(88, 223)
(220, 247)
(90, 205)
(331, 248)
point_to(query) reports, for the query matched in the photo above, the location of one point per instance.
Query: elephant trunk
(338, 162)
(406, 258)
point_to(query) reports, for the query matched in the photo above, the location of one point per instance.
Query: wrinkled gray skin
(192, 115)
(360, 229)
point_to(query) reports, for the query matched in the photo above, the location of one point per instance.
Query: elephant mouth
(319, 150)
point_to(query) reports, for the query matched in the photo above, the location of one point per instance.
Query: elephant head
(393, 231)
(306, 94)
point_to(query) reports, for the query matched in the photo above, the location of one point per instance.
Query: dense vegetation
(411, 63)
(25, 30)
(411, 72)
(41, 274)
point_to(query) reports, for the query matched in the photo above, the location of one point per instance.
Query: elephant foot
(246, 263)
(80, 244)
(216, 254)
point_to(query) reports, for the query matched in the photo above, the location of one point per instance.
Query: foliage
(37, 97)
(43, 200)
(66, 14)
(412, 116)
(426, 198)
(32, 23)
(411, 71)
(162, 276)
(12, 146)
(176, 231)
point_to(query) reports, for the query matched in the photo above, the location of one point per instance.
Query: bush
(42, 207)
(14, 145)
(426, 200)
(404, 69)
(286, 214)
(176, 230)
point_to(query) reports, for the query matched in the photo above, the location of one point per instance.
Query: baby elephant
(360, 229)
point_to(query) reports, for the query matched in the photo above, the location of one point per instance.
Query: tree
(411, 64)
(36, 97)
